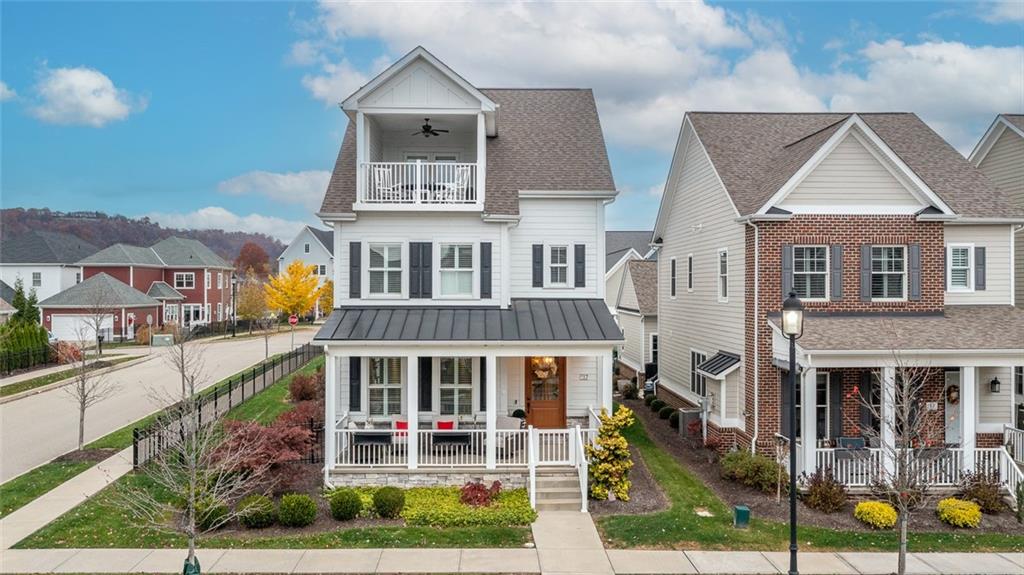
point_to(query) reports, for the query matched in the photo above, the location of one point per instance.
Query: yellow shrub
(877, 514)
(959, 513)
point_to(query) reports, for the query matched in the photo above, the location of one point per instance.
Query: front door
(545, 392)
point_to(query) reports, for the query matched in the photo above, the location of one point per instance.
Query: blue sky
(224, 115)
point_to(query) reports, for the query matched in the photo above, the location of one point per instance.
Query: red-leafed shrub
(68, 352)
(303, 413)
(475, 494)
(305, 387)
(276, 446)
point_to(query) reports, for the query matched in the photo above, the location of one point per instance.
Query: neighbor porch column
(888, 423)
(968, 414)
(412, 396)
(330, 417)
(491, 386)
(809, 419)
(604, 389)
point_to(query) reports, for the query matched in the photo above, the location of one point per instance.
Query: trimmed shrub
(983, 489)
(302, 414)
(630, 392)
(823, 492)
(210, 514)
(877, 514)
(440, 507)
(754, 470)
(297, 510)
(657, 404)
(256, 512)
(649, 399)
(388, 502)
(959, 513)
(1020, 502)
(673, 420)
(666, 412)
(477, 494)
(519, 413)
(609, 457)
(306, 387)
(345, 504)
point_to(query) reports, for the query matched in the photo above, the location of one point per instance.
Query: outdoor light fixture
(994, 385)
(793, 328)
(792, 316)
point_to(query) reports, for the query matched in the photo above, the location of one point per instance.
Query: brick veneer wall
(989, 439)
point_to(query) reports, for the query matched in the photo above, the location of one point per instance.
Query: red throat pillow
(446, 425)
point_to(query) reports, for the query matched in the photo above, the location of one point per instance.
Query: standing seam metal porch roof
(575, 320)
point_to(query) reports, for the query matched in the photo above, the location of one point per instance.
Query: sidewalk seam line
(376, 566)
(765, 557)
(70, 557)
(139, 562)
(299, 560)
(843, 560)
(921, 559)
(690, 561)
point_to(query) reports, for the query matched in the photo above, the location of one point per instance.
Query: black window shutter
(485, 270)
(426, 383)
(580, 273)
(865, 272)
(915, 272)
(835, 406)
(538, 265)
(355, 275)
(837, 271)
(787, 270)
(865, 401)
(420, 272)
(784, 414)
(483, 384)
(355, 383)
(979, 268)
(672, 277)
(426, 270)
(414, 270)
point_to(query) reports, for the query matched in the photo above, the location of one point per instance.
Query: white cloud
(218, 218)
(1003, 11)
(6, 93)
(82, 96)
(334, 82)
(303, 53)
(306, 188)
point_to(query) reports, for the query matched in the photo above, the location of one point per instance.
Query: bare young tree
(100, 305)
(199, 467)
(87, 387)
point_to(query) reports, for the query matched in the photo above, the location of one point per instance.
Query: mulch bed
(89, 455)
(645, 495)
(704, 465)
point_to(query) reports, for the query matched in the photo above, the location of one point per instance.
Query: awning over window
(719, 365)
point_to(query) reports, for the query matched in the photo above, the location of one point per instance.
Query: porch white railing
(371, 448)
(582, 468)
(555, 447)
(419, 183)
(451, 448)
(855, 468)
(1013, 477)
(1013, 439)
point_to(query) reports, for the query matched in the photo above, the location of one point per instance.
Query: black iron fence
(11, 361)
(212, 403)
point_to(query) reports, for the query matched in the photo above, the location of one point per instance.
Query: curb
(68, 380)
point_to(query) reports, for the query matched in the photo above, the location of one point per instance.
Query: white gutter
(757, 319)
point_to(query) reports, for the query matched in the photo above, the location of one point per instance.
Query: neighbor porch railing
(419, 182)
(1013, 439)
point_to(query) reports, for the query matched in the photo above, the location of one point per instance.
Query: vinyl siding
(701, 220)
(996, 241)
(634, 348)
(994, 408)
(611, 286)
(851, 176)
(628, 298)
(556, 222)
(318, 254)
(1004, 165)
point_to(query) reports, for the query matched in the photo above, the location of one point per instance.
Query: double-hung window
(558, 265)
(220, 311)
(305, 248)
(37, 279)
(654, 348)
(206, 280)
(888, 272)
(961, 268)
(698, 385)
(184, 280)
(810, 272)
(456, 270)
(220, 280)
(456, 385)
(322, 269)
(385, 269)
(723, 275)
(821, 399)
(385, 386)
(1018, 379)
(170, 313)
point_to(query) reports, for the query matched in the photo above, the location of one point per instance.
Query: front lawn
(37, 382)
(19, 491)
(266, 406)
(681, 528)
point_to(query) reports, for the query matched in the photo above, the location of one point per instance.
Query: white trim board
(992, 135)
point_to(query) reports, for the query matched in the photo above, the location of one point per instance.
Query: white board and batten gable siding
(419, 85)
(700, 221)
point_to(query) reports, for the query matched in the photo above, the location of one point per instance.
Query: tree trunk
(81, 426)
(901, 568)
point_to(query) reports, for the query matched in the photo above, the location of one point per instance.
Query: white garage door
(75, 327)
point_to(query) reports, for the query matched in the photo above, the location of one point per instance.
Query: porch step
(559, 505)
(552, 493)
(558, 490)
(558, 482)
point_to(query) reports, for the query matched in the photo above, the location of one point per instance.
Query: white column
(412, 394)
(330, 401)
(361, 133)
(604, 364)
(481, 157)
(888, 423)
(968, 414)
(491, 386)
(808, 419)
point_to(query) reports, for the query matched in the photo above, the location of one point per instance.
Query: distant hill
(104, 230)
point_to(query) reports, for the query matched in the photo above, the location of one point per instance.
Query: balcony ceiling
(411, 123)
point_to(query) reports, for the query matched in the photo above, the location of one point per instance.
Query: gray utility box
(686, 415)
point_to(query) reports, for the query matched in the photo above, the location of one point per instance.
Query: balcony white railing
(419, 183)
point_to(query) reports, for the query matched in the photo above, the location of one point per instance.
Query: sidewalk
(61, 499)
(493, 561)
(114, 353)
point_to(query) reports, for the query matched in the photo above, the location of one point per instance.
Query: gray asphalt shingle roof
(756, 153)
(1015, 119)
(526, 320)
(547, 140)
(102, 291)
(163, 290)
(326, 237)
(183, 252)
(644, 276)
(617, 243)
(42, 247)
(6, 292)
(123, 254)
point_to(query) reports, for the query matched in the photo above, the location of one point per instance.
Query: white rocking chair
(384, 187)
(455, 191)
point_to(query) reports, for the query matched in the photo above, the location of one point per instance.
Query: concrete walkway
(110, 354)
(63, 498)
(493, 561)
(568, 542)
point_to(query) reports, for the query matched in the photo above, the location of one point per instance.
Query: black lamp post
(793, 328)
(234, 305)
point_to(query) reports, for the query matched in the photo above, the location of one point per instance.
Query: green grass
(270, 403)
(54, 377)
(21, 490)
(680, 527)
(103, 521)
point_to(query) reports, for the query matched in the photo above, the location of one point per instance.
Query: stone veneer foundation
(427, 478)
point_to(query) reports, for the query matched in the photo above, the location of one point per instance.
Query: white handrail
(532, 461)
(419, 182)
(1013, 476)
(582, 468)
(1013, 438)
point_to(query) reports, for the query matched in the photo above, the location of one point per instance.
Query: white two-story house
(470, 333)
(315, 247)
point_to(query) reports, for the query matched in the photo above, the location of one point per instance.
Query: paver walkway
(63, 498)
(494, 561)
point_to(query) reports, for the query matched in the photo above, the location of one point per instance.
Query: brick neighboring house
(190, 283)
(102, 299)
(898, 247)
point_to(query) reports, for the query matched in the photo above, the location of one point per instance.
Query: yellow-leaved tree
(293, 291)
(327, 297)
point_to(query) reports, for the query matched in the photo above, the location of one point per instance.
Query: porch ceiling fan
(427, 130)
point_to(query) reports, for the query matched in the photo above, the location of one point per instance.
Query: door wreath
(953, 394)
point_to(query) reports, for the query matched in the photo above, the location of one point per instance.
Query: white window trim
(798, 398)
(404, 293)
(37, 275)
(906, 272)
(650, 346)
(673, 278)
(689, 272)
(828, 271)
(970, 268)
(474, 384)
(365, 388)
(436, 271)
(207, 277)
(172, 317)
(718, 275)
(183, 275)
(220, 311)
(570, 279)
(220, 280)
(695, 373)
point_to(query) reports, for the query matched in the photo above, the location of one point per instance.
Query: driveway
(36, 429)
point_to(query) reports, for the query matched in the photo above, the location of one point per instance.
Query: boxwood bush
(657, 404)
(649, 399)
(673, 420)
(345, 503)
(256, 512)
(666, 412)
(754, 470)
(440, 507)
(210, 513)
(388, 502)
(296, 510)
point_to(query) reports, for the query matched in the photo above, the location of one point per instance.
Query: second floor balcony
(447, 184)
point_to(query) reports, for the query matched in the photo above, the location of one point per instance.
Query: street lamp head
(792, 316)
